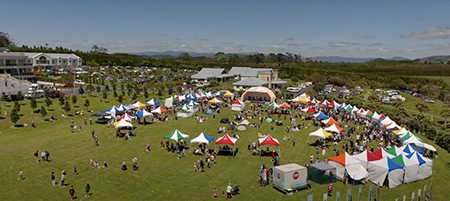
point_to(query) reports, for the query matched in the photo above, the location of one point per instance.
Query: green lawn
(161, 175)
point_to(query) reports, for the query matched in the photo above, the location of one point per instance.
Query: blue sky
(381, 28)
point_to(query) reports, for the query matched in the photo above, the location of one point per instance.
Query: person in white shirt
(229, 188)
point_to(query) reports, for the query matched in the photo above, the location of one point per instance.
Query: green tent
(392, 151)
(176, 135)
(399, 160)
(184, 107)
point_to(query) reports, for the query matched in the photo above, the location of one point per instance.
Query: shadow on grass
(76, 106)
(19, 126)
(21, 115)
(49, 109)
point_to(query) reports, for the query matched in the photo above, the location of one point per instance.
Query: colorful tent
(322, 133)
(411, 168)
(334, 128)
(309, 110)
(153, 102)
(304, 95)
(324, 102)
(143, 113)
(320, 115)
(380, 117)
(392, 152)
(125, 117)
(410, 138)
(202, 138)
(218, 93)
(226, 139)
(184, 108)
(386, 121)
(284, 105)
(314, 101)
(344, 162)
(245, 122)
(228, 94)
(122, 108)
(383, 169)
(273, 105)
(214, 100)
(192, 103)
(139, 105)
(355, 109)
(330, 121)
(374, 115)
(176, 135)
(365, 157)
(367, 113)
(123, 124)
(425, 166)
(392, 126)
(237, 105)
(209, 94)
(333, 104)
(402, 131)
(343, 106)
(268, 140)
(360, 111)
(159, 110)
(381, 153)
(112, 110)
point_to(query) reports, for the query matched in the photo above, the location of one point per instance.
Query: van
(35, 94)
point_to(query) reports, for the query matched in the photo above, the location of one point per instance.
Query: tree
(160, 92)
(105, 95)
(6, 40)
(98, 89)
(115, 93)
(87, 103)
(17, 106)
(422, 107)
(33, 103)
(19, 96)
(146, 95)
(106, 88)
(14, 116)
(74, 99)
(90, 88)
(120, 99)
(67, 107)
(135, 96)
(445, 113)
(48, 101)
(397, 103)
(81, 90)
(61, 100)
(43, 111)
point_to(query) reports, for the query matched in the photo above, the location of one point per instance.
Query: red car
(68, 85)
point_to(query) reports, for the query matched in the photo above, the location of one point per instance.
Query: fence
(424, 194)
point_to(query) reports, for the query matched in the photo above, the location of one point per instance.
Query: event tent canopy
(112, 110)
(313, 101)
(237, 105)
(386, 121)
(214, 100)
(333, 104)
(184, 107)
(268, 140)
(393, 126)
(176, 135)
(159, 110)
(321, 133)
(218, 93)
(330, 121)
(245, 122)
(320, 115)
(273, 105)
(100, 114)
(143, 113)
(228, 94)
(385, 168)
(139, 105)
(202, 138)
(425, 169)
(300, 99)
(344, 162)
(334, 128)
(153, 102)
(309, 110)
(125, 117)
(321, 173)
(226, 139)
(122, 108)
(284, 105)
(123, 124)
(365, 157)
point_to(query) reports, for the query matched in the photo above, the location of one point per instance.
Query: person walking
(33, 124)
(229, 188)
(96, 141)
(88, 188)
(75, 172)
(72, 192)
(330, 189)
(147, 147)
(63, 179)
(36, 154)
(93, 133)
(53, 178)
(20, 175)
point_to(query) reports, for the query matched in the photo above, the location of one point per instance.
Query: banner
(325, 197)
(412, 196)
(338, 196)
(310, 197)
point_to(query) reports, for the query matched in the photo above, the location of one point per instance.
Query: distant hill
(337, 59)
(436, 59)
(171, 54)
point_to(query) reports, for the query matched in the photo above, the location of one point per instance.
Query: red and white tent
(334, 128)
(160, 110)
(125, 117)
(333, 104)
(226, 139)
(268, 140)
(238, 105)
(314, 101)
(324, 102)
(309, 110)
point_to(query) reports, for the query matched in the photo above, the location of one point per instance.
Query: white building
(21, 64)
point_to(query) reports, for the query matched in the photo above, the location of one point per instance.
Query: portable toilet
(290, 177)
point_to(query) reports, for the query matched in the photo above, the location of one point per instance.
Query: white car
(79, 82)
(293, 89)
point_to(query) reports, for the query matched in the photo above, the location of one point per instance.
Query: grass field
(161, 175)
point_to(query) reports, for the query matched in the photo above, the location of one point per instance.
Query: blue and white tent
(192, 103)
(219, 93)
(153, 102)
(320, 115)
(143, 113)
(112, 110)
(122, 108)
(202, 138)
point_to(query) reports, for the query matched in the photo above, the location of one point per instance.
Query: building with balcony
(256, 77)
(22, 64)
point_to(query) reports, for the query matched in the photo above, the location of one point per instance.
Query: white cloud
(442, 32)
(376, 44)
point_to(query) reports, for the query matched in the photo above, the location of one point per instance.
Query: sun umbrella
(269, 120)
(176, 135)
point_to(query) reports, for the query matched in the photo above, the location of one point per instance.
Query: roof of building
(206, 73)
(251, 82)
(247, 71)
(279, 82)
(52, 55)
(12, 54)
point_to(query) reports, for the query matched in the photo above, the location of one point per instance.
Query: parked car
(79, 82)
(429, 100)
(293, 89)
(68, 85)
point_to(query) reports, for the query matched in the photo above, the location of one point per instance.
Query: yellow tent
(228, 94)
(300, 99)
(214, 100)
(140, 105)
